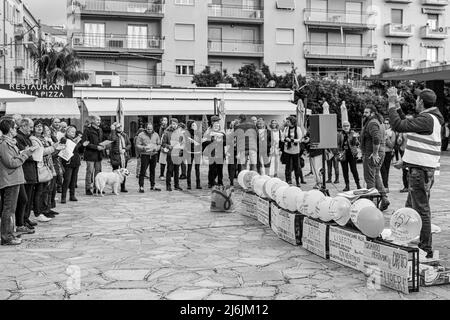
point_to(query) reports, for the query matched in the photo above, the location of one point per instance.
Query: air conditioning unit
(77, 41)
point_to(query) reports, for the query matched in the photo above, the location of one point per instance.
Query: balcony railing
(429, 63)
(238, 12)
(399, 63)
(19, 64)
(19, 31)
(337, 18)
(435, 2)
(117, 42)
(235, 46)
(398, 30)
(125, 7)
(398, 1)
(312, 49)
(429, 33)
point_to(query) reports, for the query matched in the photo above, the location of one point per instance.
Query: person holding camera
(293, 136)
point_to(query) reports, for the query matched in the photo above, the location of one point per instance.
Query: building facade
(18, 43)
(164, 42)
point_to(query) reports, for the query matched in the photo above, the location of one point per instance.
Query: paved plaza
(170, 246)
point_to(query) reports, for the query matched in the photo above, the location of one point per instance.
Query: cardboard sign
(248, 206)
(274, 213)
(315, 237)
(388, 265)
(263, 211)
(347, 248)
(289, 227)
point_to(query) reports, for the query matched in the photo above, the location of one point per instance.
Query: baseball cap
(215, 119)
(427, 95)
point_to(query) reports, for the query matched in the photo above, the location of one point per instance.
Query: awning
(167, 107)
(45, 108)
(260, 107)
(424, 74)
(101, 107)
(340, 63)
(11, 96)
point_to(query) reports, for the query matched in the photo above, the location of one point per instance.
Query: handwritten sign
(389, 265)
(249, 202)
(347, 248)
(263, 211)
(314, 237)
(289, 227)
(274, 213)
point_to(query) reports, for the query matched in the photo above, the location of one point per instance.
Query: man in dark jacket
(247, 143)
(162, 129)
(92, 137)
(120, 150)
(373, 150)
(30, 173)
(173, 142)
(421, 157)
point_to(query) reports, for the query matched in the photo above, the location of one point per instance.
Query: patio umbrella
(120, 117)
(11, 96)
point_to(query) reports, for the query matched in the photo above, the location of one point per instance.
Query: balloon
(275, 187)
(253, 181)
(323, 210)
(406, 224)
(241, 176)
(268, 187)
(299, 200)
(356, 208)
(248, 179)
(310, 200)
(279, 195)
(259, 185)
(290, 198)
(370, 221)
(340, 210)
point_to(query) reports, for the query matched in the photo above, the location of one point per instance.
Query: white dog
(112, 179)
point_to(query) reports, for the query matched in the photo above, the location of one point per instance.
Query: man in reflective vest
(422, 155)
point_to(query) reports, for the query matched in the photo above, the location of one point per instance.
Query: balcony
(114, 44)
(236, 48)
(398, 30)
(245, 14)
(440, 3)
(19, 65)
(399, 1)
(440, 33)
(338, 19)
(339, 51)
(114, 9)
(19, 32)
(399, 63)
(430, 64)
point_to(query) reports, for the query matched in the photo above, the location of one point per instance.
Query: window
(433, 21)
(433, 54)
(184, 67)
(215, 66)
(286, 4)
(285, 36)
(185, 2)
(397, 51)
(137, 37)
(185, 32)
(397, 16)
(94, 35)
(281, 68)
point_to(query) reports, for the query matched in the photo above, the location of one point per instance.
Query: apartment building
(165, 42)
(55, 36)
(18, 43)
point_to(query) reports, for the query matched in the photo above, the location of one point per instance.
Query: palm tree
(60, 65)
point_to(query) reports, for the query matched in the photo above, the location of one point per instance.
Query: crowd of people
(32, 171)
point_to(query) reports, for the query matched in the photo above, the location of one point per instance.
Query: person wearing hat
(421, 157)
(173, 143)
(293, 136)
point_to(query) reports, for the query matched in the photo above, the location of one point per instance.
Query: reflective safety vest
(424, 150)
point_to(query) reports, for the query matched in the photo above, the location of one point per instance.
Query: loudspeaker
(323, 129)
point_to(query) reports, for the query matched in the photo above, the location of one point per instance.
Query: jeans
(146, 161)
(138, 166)
(215, 171)
(197, 170)
(93, 168)
(8, 209)
(40, 191)
(334, 162)
(232, 170)
(350, 161)
(372, 174)
(404, 174)
(26, 206)
(162, 168)
(48, 202)
(183, 169)
(70, 181)
(22, 201)
(385, 168)
(420, 183)
(316, 167)
(173, 170)
(293, 163)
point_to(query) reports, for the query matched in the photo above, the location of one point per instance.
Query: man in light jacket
(148, 143)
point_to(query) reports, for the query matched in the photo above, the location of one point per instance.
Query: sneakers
(199, 187)
(162, 178)
(155, 189)
(328, 181)
(24, 230)
(169, 188)
(347, 188)
(43, 218)
(404, 190)
(89, 193)
(63, 200)
(178, 188)
(425, 257)
(384, 204)
(124, 191)
(336, 181)
(11, 242)
(31, 223)
(29, 226)
(141, 190)
(73, 198)
(48, 215)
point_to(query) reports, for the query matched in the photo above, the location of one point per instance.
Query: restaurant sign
(41, 90)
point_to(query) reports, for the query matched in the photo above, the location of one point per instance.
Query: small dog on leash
(113, 179)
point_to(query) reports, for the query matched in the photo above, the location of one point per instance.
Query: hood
(435, 112)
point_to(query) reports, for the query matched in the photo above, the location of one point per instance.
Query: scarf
(289, 145)
(122, 147)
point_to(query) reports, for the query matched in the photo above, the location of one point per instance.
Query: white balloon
(340, 210)
(310, 200)
(323, 210)
(275, 187)
(356, 208)
(280, 196)
(248, 179)
(241, 176)
(299, 201)
(290, 198)
(253, 181)
(259, 185)
(268, 187)
(406, 224)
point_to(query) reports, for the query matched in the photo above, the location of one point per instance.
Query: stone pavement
(170, 246)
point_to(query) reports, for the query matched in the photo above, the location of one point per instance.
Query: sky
(51, 12)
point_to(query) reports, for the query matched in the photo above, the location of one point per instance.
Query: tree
(206, 78)
(60, 66)
(250, 77)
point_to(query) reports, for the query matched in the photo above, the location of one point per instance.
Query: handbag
(44, 173)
